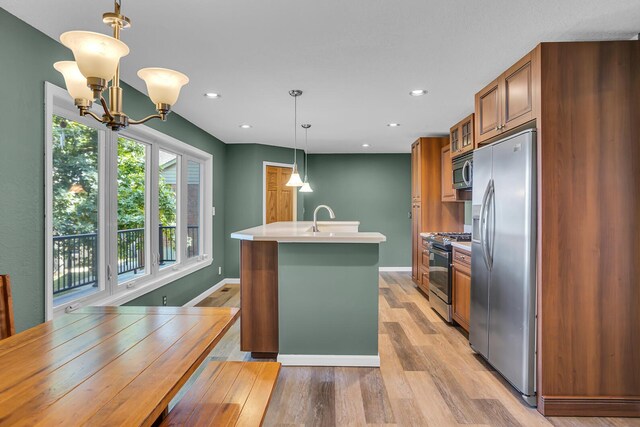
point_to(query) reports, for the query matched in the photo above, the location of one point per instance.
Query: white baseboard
(328, 360)
(211, 290)
(394, 269)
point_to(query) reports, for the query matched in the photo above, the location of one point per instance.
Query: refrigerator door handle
(483, 223)
(488, 240)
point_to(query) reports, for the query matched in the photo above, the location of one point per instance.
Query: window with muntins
(126, 211)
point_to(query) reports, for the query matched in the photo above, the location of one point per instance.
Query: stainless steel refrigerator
(503, 262)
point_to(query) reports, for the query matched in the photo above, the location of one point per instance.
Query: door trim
(264, 190)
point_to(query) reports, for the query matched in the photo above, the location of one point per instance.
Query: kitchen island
(311, 298)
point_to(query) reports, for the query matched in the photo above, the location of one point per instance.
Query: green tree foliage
(131, 180)
(75, 178)
(75, 182)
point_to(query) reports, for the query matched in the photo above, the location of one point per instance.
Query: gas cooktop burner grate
(453, 237)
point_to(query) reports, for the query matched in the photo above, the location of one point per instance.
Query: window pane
(132, 247)
(193, 209)
(75, 210)
(167, 206)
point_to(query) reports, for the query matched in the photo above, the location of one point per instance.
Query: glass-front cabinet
(461, 136)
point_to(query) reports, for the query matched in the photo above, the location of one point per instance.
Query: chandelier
(97, 68)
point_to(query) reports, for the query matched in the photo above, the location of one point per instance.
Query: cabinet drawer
(424, 282)
(425, 259)
(425, 244)
(462, 257)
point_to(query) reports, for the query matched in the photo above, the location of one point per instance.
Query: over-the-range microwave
(462, 172)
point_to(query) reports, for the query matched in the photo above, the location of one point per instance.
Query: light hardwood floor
(429, 376)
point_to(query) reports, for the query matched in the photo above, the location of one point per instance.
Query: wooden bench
(227, 394)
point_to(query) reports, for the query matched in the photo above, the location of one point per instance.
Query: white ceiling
(355, 60)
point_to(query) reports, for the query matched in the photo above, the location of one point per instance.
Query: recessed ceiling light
(418, 92)
(366, 145)
(245, 126)
(212, 95)
(393, 125)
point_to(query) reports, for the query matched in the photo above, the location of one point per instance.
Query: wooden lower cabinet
(416, 247)
(423, 283)
(461, 284)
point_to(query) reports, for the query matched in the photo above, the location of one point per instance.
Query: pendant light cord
(306, 151)
(295, 130)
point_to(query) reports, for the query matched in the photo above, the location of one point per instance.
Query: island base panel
(328, 302)
(259, 298)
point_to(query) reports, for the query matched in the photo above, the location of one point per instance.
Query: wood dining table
(102, 366)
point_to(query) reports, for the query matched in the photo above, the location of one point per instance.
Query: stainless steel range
(440, 261)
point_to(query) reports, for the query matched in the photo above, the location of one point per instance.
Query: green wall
(328, 298)
(374, 189)
(371, 188)
(243, 202)
(27, 58)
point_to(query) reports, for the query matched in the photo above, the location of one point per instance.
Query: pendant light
(306, 188)
(294, 180)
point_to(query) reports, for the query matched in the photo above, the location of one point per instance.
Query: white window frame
(57, 101)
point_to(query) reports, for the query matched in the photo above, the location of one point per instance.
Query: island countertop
(300, 232)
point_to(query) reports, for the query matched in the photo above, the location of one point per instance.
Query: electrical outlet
(164, 300)
(219, 271)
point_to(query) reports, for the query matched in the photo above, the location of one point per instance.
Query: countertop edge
(335, 238)
(465, 246)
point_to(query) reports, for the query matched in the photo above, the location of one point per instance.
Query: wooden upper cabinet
(517, 98)
(416, 171)
(461, 136)
(509, 101)
(454, 139)
(488, 112)
(448, 193)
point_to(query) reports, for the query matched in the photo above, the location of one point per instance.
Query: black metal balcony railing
(75, 257)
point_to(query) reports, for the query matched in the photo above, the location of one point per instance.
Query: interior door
(512, 249)
(279, 197)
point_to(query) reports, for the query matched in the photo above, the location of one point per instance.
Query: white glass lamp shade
(97, 55)
(306, 188)
(74, 80)
(294, 180)
(163, 85)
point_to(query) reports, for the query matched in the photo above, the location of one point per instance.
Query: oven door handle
(467, 166)
(439, 252)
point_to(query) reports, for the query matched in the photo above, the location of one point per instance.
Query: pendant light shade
(306, 188)
(294, 180)
(163, 85)
(97, 55)
(74, 80)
